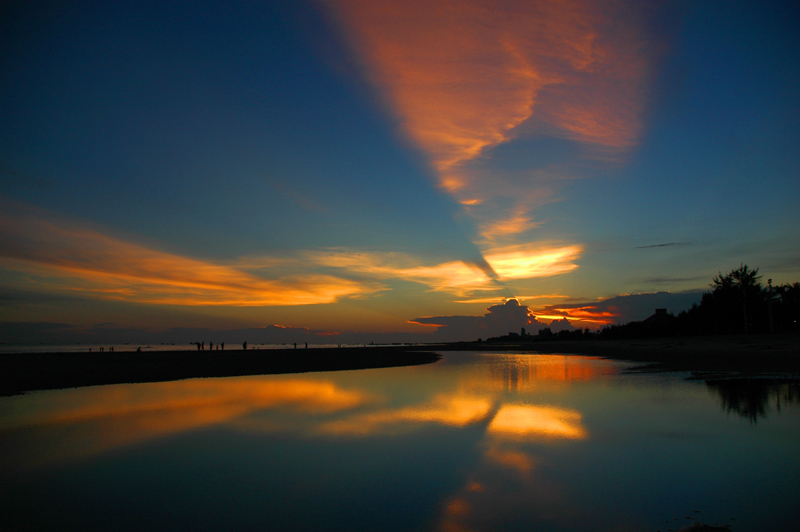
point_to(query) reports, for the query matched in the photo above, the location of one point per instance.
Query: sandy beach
(705, 356)
(43, 371)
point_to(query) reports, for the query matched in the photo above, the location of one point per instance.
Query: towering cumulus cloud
(466, 75)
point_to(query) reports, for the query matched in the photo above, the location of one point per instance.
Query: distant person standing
(223, 346)
(210, 346)
(244, 345)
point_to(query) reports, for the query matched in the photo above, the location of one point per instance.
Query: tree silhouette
(786, 307)
(736, 302)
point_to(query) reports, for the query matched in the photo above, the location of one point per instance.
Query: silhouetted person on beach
(210, 346)
(203, 346)
(244, 345)
(306, 345)
(295, 345)
(198, 346)
(223, 346)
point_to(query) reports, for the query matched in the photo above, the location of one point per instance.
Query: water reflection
(521, 373)
(475, 442)
(68, 424)
(453, 410)
(524, 422)
(751, 398)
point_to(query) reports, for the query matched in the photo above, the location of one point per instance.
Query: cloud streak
(463, 75)
(510, 263)
(62, 256)
(65, 256)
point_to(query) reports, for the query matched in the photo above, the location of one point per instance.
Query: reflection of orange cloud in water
(516, 460)
(522, 373)
(456, 411)
(99, 418)
(462, 74)
(534, 422)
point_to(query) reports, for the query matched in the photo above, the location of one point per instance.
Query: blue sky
(360, 167)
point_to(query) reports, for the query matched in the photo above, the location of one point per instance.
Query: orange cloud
(67, 256)
(518, 222)
(463, 75)
(514, 262)
(533, 260)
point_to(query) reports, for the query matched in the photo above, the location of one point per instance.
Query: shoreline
(706, 357)
(753, 355)
(25, 372)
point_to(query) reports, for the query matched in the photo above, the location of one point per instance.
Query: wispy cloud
(464, 76)
(65, 256)
(510, 263)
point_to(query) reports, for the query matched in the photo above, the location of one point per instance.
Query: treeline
(738, 303)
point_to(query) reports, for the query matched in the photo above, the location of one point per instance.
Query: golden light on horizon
(586, 314)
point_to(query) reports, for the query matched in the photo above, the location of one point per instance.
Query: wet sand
(46, 371)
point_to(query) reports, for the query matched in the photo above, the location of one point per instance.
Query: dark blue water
(475, 442)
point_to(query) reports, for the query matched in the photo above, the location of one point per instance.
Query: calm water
(476, 442)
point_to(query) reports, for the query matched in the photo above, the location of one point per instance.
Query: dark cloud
(666, 245)
(499, 320)
(628, 308)
(27, 333)
(562, 325)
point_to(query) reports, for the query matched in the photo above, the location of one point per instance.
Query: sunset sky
(323, 168)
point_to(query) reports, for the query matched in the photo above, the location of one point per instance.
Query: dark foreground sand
(706, 357)
(45, 371)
